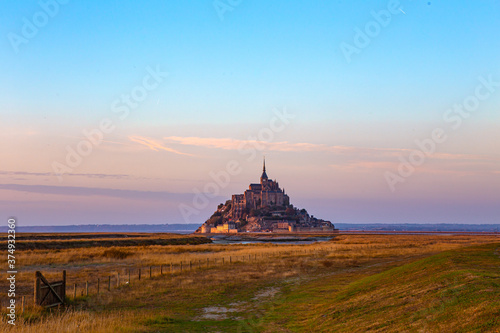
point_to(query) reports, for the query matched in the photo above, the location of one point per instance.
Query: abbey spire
(264, 174)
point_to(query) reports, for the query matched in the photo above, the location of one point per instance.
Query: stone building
(225, 228)
(266, 194)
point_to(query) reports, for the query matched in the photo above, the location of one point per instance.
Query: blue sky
(225, 77)
(261, 54)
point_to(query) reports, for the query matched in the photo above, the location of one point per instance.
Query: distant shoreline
(189, 228)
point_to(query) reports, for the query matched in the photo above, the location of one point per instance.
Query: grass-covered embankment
(454, 291)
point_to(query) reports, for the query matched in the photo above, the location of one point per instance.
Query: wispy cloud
(155, 145)
(48, 174)
(94, 191)
(364, 166)
(234, 144)
(285, 146)
(462, 166)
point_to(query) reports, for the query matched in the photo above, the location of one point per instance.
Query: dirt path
(239, 310)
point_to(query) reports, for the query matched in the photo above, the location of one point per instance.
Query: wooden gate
(49, 294)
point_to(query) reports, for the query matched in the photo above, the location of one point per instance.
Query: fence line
(87, 289)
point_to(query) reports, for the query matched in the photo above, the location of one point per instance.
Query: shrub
(327, 263)
(116, 253)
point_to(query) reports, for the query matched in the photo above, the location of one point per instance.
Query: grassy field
(354, 283)
(454, 291)
(76, 240)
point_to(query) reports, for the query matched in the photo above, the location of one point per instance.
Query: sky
(123, 112)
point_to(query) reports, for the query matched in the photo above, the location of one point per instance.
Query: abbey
(263, 207)
(266, 194)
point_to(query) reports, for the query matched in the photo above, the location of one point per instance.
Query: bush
(327, 263)
(115, 253)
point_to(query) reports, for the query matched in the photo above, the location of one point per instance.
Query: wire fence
(96, 284)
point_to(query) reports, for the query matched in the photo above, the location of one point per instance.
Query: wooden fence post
(161, 269)
(139, 274)
(74, 291)
(109, 283)
(117, 280)
(98, 282)
(37, 287)
(129, 276)
(150, 272)
(86, 288)
(64, 286)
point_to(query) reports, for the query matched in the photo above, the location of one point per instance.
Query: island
(263, 207)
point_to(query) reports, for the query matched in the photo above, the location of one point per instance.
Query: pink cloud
(154, 145)
(235, 144)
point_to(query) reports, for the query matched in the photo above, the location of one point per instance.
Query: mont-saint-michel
(263, 207)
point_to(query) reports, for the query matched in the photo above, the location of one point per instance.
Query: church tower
(263, 178)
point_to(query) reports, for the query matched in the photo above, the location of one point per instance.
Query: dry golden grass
(180, 295)
(56, 242)
(71, 321)
(87, 264)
